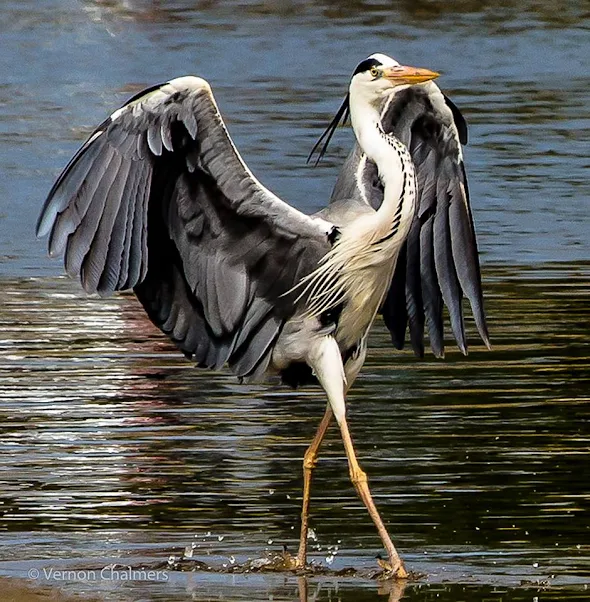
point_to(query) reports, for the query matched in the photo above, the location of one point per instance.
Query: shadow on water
(116, 450)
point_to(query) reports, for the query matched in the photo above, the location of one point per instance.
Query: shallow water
(114, 449)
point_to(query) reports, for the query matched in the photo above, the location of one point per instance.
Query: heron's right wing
(158, 199)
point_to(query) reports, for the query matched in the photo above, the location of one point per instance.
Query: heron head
(380, 75)
(372, 80)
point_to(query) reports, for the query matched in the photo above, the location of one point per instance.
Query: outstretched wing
(158, 199)
(439, 262)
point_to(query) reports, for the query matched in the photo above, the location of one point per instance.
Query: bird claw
(392, 570)
(290, 563)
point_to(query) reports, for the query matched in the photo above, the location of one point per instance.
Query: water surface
(116, 449)
(113, 449)
(279, 70)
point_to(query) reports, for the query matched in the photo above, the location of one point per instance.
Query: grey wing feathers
(159, 200)
(444, 266)
(439, 262)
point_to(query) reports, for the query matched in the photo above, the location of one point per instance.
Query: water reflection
(476, 463)
(540, 11)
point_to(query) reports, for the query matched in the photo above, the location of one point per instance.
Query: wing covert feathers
(158, 199)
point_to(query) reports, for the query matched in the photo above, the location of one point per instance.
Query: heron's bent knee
(310, 460)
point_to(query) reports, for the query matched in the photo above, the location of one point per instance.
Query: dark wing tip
(460, 121)
(482, 328)
(55, 199)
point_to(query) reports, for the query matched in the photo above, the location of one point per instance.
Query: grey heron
(159, 200)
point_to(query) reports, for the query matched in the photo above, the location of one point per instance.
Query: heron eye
(375, 72)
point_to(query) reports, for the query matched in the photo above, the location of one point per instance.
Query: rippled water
(113, 449)
(113, 446)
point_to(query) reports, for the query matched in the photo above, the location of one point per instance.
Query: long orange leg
(325, 359)
(360, 482)
(309, 463)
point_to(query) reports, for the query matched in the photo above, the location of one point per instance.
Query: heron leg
(309, 463)
(360, 482)
(326, 360)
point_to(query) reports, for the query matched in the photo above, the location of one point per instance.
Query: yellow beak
(408, 75)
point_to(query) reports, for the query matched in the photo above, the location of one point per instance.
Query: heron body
(159, 200)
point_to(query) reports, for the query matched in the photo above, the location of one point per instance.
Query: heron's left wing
(438, 264)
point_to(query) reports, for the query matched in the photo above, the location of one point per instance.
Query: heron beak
(408, 75)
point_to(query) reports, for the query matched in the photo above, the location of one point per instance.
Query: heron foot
(392, 569)
(289, 562)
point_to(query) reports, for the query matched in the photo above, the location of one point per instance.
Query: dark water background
(113, 449)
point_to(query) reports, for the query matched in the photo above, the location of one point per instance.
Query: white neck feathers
(394, 164)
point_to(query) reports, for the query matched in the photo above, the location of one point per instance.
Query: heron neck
(395, 167)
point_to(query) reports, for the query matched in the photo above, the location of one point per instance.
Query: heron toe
(392, 570)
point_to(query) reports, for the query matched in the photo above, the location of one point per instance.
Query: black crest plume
(341, 116)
